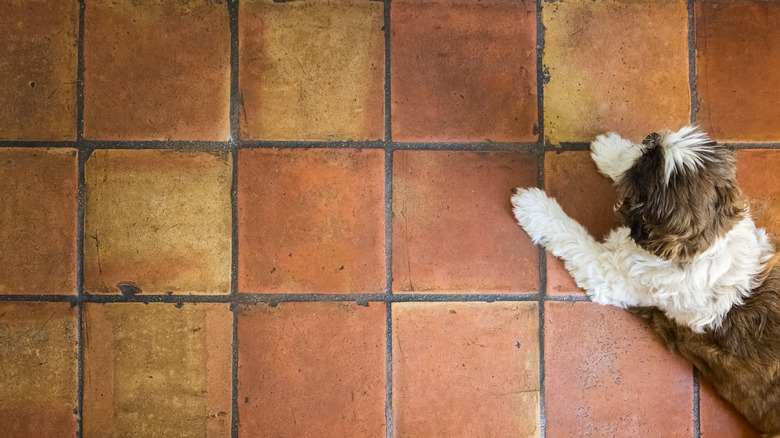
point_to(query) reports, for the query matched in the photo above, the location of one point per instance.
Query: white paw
(533, 210)
(613, 154)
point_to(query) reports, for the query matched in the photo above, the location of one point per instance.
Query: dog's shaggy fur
(689, 260)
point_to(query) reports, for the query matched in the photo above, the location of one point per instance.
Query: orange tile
(311, 220)
(606, 374)
(157, 370)
(463, 70)
(760, 182)
(588, 197)
(312, 70)
(38, 359)
(453, 230)
(312, 369)
(617, 66)
(719, 419)
(38, 217)
(38, 89)
(156, 70)
(465, 369)
(159, 220)
(737, 69)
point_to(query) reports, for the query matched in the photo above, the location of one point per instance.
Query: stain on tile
(38, 67)
(719, 419)
(606, 374)
(311, 221)
(39, 365)
(465, 369)
(760, 182)
(157, 221)
(585, 195)
(312, 369)
(453, 230)
(615, 65)
(156, 70)
(157, 370)
(463, 70)
(38, 220)
(312, 70)
(737, 69)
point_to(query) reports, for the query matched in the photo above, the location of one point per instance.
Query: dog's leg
(587, 260)
(613, 154)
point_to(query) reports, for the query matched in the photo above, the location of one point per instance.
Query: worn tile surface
(38, 69)
(737, 69)
(760, 182)
(160, 220)
(465, 369)
(463, 70)
(311, 221)
(312, 369)
(38, 220)
(720, 419)
(585, 195)
(156, 70)
(615, 65)
(38, 362)
(453, 230)
(312, 70)
(157, 370)
(607, 375)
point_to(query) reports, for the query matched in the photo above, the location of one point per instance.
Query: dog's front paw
(609, 153)
(532, 209)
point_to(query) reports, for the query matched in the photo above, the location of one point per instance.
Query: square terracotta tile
(463, 70)
(606, 374)
(38, 220)
(156, 70)
(311, 220)
(720, 419)
(453, 229)
(312, 369)
(39, 365)
(588, 197)
(617, 66)
(157, 221)
(760, 182)
(737, 69)
(466, 369)
(312, 70)
(38, 67)
(157, 370)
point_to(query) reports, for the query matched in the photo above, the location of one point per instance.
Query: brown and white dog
(689, 260)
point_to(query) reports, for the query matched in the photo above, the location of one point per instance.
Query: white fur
(614, 155)
(683, 150)
(697, 294)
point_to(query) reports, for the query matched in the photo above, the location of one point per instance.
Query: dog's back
(742, 357)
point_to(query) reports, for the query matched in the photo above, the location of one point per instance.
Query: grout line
(388, 101)
(389, 221)
(221, 146)
(695, 104)
(235, 94)
(389, 371)
(234, 422)
(696, 404)
(234, 291)
(273, 299)
(80, 74)
(540, 180)
(80, 379)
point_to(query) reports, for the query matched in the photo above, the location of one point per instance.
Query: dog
(689, 260)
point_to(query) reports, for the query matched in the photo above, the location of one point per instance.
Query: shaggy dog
(689, 260)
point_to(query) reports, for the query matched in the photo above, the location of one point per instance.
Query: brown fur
(678, 220)
(742, 357)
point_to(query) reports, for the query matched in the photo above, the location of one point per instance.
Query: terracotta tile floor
(291, 218)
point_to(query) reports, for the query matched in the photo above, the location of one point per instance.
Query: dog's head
(678, 189)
